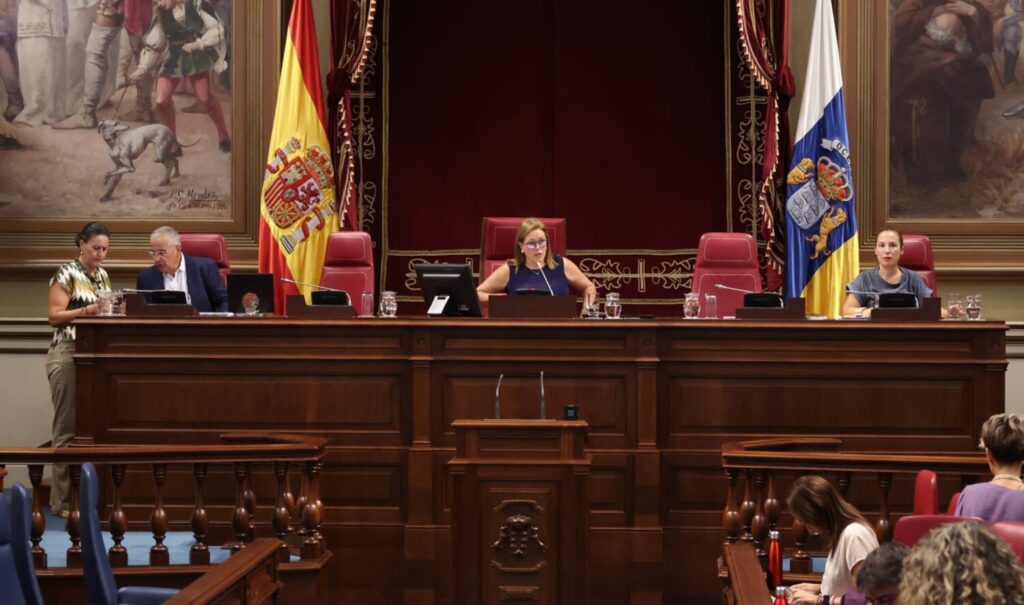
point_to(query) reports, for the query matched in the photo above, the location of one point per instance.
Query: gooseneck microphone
(136, 291)
(725, 287)
(497, 398)
(317, 286)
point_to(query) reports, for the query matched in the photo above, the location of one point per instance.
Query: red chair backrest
(926, 493)
(912, 528)
(348, 266)
(208, 245)
(498, 241)
(954, 501)
(729, 259)
(1012, 532)
(917, 255)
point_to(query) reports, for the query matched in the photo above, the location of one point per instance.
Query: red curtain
(351, 34)
(764, 32)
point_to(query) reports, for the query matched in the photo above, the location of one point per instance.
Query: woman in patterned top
(73, 293)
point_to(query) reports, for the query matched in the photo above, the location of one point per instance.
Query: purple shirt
(991, 503)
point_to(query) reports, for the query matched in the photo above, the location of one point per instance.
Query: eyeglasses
(158, 253)
(534, 245)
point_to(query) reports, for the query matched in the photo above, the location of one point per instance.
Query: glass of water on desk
(691, 305)
(388, 304)
(710, 306)
(612, 306)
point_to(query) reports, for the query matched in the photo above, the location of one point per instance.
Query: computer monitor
(448, 289)
(241, 284)
(166, 297)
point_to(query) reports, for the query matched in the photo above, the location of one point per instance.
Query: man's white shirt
(177, 281)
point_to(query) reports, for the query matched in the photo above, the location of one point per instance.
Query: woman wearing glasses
(74, 291)
(533, 268)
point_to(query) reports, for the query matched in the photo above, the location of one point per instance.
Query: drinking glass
(691, 306)
(388, 304)
(251, 303)
(612, 306)
(105, 302)
(974, 307)
(710, 306)
(592, 310)
(118, 302)
(366, 305)
(956, 307)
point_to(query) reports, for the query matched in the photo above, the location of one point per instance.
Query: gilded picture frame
(963, 247)
(42, 242)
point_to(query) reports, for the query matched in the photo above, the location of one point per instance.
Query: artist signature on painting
(194, 198)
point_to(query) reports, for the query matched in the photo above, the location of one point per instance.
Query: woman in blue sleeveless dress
(534, 268)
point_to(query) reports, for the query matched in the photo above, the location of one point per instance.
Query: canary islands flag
(299, 209)
(821, 224)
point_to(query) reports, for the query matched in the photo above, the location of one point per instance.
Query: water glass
(388, 304)
(955, 307)
(974, 308)
(592, 310)
(118, 302)
(612, 306)
(710, 306)
(366, 305)
(691, 306)
(105, 302)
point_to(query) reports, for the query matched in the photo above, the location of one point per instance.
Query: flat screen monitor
(448, 289)
(897, 300)
(166, 297)
(242, 285)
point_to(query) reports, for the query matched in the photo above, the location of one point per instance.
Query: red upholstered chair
(917, 255)
(1012, 532)
(954, 501)
(499, 239)
(208, 245)
(729, 259)
(926, 493)
(912, 528)
(348, 266)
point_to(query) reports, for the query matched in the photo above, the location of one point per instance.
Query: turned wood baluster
(199, 554)
(731, 515)
(312, 545)
(73, 524)
(240, 518)
(747, 508)
(282, 516)
(759, 525)
(801, 561)
(883, 529)
(844, 485)
(158, 554)
(772, 506)
(300, 503)
(35, 477)
(250, 503)
(117, 521)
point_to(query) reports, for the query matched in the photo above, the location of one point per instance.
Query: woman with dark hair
(1002, 498)
(816, 504)
(959, 564)
(534, 267)
(74, 290)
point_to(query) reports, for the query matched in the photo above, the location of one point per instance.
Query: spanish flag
(821, 222)
(299, 209)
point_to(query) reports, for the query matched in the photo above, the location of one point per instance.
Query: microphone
(135, 291)
(724, 287)
(497, 398)
(543, 415)
(318, 287)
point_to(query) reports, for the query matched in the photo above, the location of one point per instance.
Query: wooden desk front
(660, 398)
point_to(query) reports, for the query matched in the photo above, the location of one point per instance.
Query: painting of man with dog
(120, 110)
(957, 110)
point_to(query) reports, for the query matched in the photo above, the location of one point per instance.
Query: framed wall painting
(933, 93)
(53, 179)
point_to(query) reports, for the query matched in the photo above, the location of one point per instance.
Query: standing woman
(73, 293)
(845, 531)
(888, 276)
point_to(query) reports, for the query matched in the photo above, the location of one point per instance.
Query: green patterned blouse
(81, 289)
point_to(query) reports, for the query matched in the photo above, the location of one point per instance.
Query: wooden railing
(249, 577)
(240, 450)
(753, 506)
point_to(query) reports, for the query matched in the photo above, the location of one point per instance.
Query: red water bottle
(780, 596)
(774, 560)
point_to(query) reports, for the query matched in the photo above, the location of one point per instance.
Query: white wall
(26, 413)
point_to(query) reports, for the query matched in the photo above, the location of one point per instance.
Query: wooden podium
(520, 512)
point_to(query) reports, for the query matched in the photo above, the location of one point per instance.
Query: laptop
(241, 285)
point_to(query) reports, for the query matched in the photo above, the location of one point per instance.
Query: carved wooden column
(35, 477)
(158, 553)
(731, 515)
(117, 521)
(73, 524)
(199, 554)
(521, 512)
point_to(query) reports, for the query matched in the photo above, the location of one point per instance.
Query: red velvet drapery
(763, 27)
(351, 35)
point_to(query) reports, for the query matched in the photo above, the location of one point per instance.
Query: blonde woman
(962, 564)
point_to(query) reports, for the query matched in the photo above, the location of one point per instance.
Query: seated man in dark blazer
(196, 276)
